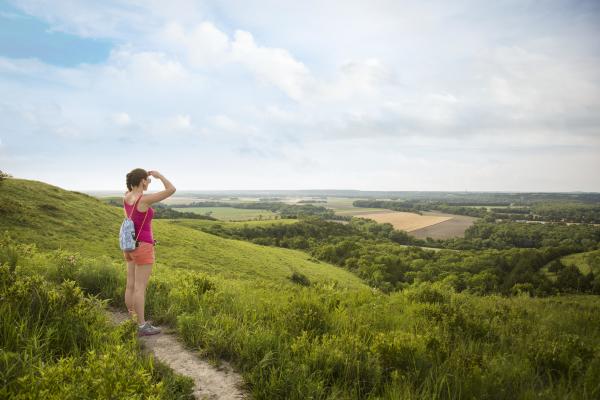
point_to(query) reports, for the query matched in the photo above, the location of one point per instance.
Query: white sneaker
(147, 329)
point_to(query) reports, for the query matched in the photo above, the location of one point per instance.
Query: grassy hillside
(56, 343)
(233, 300)
(586, 262)
(53, 218)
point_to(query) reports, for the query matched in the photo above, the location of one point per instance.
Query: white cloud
(122, 119)
(146, 66)
(224, 122)
(202, 46)
(182, 122)
(114, 19)
(358, 79)
(534, 85)
(273, 65)
(295, 88)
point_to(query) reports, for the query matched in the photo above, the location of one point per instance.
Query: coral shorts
(143, 254)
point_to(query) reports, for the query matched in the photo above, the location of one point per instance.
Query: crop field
(436, 225)
(430, 224)
(405, 221)
(455, 226)
(343, 206)
(206, 223)
(188, 200)
(179, 200)
(230, 213)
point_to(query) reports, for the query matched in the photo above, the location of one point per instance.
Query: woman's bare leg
(129, 302)
(142, 275)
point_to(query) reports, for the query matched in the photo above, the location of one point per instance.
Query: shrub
(4, 175)
(340, 360)
(555, 266)
(55, 343)
(299, 278)
(192, 327)
(563, 356)
(428, 293)
(306, 314)
(400, 351)
(9, 256)
(100, 277)
(106, 374)
(201, 283)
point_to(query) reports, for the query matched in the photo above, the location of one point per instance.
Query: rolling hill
(233, 300)
(53, 218)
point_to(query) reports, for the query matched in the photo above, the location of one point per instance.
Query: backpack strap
(140, 231)
(134, 206)
(129, 216)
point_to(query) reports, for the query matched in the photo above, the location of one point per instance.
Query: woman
(139, 261)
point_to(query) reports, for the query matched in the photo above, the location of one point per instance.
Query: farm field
(188, 200)
(230, 213)
(455, 226)
(343, 206)
(405, 221)
(178, 200)
(431, 224)
(206, 223)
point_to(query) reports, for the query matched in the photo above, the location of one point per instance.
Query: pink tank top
(137, 217)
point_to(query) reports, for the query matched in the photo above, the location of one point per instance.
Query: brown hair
(135, 177)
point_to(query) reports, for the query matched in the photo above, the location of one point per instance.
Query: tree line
(283, 209)
(379, 254)
(540, 211)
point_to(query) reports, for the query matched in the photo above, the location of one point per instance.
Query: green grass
(184, 246)
(52, 217)
(334, 338)
(586, 262)
(323, 341)
(230, 213)
(57, 343)
(55, 218)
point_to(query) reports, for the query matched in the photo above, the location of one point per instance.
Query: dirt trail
(209, 382)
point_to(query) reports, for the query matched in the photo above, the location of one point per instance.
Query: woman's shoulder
(129, 199)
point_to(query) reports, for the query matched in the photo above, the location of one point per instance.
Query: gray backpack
(127, 238)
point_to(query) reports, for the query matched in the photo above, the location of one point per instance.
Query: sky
(265, 94)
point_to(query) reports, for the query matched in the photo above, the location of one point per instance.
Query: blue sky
(382, 95)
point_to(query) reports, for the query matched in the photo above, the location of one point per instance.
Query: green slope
(586, 262)
(51, 217)
(289, 341)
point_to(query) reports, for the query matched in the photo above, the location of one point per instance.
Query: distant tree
(555, 266)
(522, 288)
(4, 175)
(570, 279)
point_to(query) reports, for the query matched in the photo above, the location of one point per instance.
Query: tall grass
(56, 343)
(334, 338)
(322, 341)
